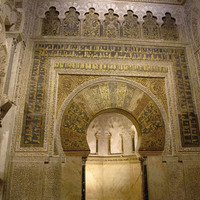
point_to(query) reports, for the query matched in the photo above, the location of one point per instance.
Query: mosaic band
(110, 67)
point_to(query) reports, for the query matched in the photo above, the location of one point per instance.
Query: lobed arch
(74, 101)
(118, 122)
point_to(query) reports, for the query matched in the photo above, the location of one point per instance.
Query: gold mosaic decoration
(66, 85)
(109, 67)
(74, 125)
(35, 107)
(156, 86)
(100, 96)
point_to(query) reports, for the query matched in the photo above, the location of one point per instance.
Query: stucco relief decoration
(196, 27)
(169, 30)
(71, 23)
(18, 21)
(150, 27)
(51, 23)
(111, 133)
(3, 54)
(111, 26)
(131, 26)
(91, 24)
(13, 15)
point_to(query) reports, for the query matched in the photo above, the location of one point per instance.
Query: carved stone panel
(111, 26)
(71, 23)
(51, 22)
(150, 28)
(131, 26)
(195, 25)
(169, 29)
(176, 180)
(3, 57)
(91, 24)
(26, 181)
(192, 177)
(52, 176)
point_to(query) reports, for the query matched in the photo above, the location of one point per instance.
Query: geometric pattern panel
(35, 107)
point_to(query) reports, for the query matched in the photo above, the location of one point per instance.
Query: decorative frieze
(110, 27)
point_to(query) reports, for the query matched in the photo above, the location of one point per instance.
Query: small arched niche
(113, 170)
(112, 134)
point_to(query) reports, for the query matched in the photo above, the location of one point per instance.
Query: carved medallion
(51, 22)
(111, 26)
(150, 28)
(71, 24)
(91, 24)
(169, 29)
(131, 26)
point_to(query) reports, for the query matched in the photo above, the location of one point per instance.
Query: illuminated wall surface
(33, 130)
(99, 100)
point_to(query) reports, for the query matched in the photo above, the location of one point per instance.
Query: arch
(113, 124)
(76, 98)
(123, 112)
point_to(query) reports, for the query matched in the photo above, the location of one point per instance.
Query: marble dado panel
(27, 180)
(192, 176)
(35, 108)
(116, 179)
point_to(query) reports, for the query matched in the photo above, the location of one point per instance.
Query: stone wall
(78, 60)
